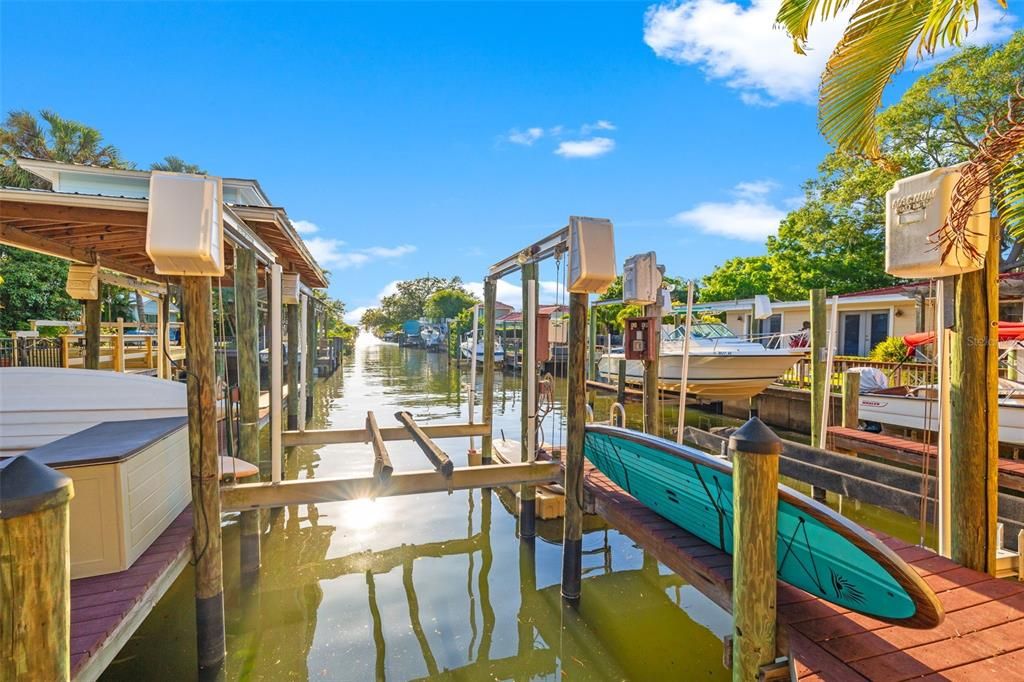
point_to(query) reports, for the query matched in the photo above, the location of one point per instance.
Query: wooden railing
(898, 373)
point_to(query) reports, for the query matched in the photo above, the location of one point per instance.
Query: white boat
(39, 405)
(431, 336)
(466, 348)
(722, 365)
(915, 407)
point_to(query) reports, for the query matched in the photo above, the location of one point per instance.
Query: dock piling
(310, 353)
(851, 399)
(246, 320)
(819, 382)
(293, 366)
(652, 415)
(572, 533)
(203, 464)
(755, 456)
(487, 441)
(527, 493)
(35, 592)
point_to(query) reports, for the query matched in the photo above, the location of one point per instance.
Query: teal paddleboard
(819, 551)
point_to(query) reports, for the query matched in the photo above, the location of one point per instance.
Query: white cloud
(305, 227)
(525, 137)
(353, 316)
(740, 45)
(389, 289)
(585, 149)
(602, 124)
(751, 217)
(331, 254)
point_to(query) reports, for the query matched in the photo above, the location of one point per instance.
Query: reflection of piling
(755, 455)
(249, 402)
(35, 600)
(380, 645)
(293, 366)
(572, 534)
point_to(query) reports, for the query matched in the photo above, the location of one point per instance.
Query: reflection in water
(430, 586)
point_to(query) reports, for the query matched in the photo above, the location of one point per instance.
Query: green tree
(409, 302)
(176, 164)
(32, 288)
(53, 139)
(446, 304)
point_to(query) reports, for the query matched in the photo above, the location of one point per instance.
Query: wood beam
(72, 214)
(76, 254)
(316, 490)
(437, 456)
(382, 467)
(387, 433)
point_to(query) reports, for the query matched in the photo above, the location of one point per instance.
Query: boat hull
(818, 550)
(711, 376)
(913, 412)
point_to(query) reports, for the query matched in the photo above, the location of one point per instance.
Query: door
(862, 331)
(768, 330)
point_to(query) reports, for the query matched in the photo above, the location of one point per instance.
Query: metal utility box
(83, 282)
(185, 224)
(641, 279)
(640, 342)
(915, 212)
(591, 255)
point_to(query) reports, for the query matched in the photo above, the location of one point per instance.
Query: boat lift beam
(547, 247)
(387, 433)
(316, 490)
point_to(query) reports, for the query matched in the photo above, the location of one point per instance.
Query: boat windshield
(702, 330)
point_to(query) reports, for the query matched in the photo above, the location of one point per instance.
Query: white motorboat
(430, 336)
(916, 407)
(722, 365)
(467, 345)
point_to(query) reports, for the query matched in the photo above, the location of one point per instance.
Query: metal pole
(275, 372)
(826, 402)
(304, 360)
(527, 493)
(685, 374)
(943, 445)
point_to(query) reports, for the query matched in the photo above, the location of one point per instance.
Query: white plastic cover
(872, 379)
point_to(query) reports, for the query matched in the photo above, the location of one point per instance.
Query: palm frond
(948, 23)
(1008, 197)
(796, 16)
(872, 50)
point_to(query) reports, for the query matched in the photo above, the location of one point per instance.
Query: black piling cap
(27, 486)
(755, 438)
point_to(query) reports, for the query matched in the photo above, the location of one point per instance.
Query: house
(866, 318)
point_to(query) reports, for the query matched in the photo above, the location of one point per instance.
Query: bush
(893, 349)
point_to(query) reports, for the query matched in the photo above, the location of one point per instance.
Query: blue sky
(416, 138)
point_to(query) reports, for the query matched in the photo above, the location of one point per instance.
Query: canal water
(439, 586)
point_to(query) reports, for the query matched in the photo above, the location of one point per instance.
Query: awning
(1008, 331)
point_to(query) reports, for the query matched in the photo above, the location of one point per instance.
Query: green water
(439, 586)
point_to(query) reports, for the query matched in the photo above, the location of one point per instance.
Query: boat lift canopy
(1008, 331)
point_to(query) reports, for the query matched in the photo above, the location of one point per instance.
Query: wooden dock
(910, 452)
(106, 610)
(982, 636)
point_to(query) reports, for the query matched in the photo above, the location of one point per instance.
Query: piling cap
(755, 438)
(28, 486)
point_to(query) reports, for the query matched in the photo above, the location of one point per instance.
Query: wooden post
(119, 349)
(246, 321)
(203, 463)
(592, 347)
(527, 493)
(92, 333)
(35, 571)
(165, 335)
(311, 353)
(851, 399)
(974, 432)
(755, 481)
(65, 350)
(487, 442)
(274, 307)
(572, 534)
(819, 382)
(293, 366)
(620, 390)
(652, 416)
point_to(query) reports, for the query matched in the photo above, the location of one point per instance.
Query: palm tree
(175, 164)
(873, 49)
(22, 135)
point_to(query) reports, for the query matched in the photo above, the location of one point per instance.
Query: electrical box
(83, 282)
(915, 211)
(641, 279)
(185, 226)
(762, 307)
(640, 342)
(591, 255)
(290, 288)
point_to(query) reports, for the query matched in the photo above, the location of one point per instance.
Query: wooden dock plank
(910, 452)
(106, 610)
(982, 635)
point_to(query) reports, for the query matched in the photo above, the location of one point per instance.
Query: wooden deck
(910, 452)
(107, 609)
(982, 636)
